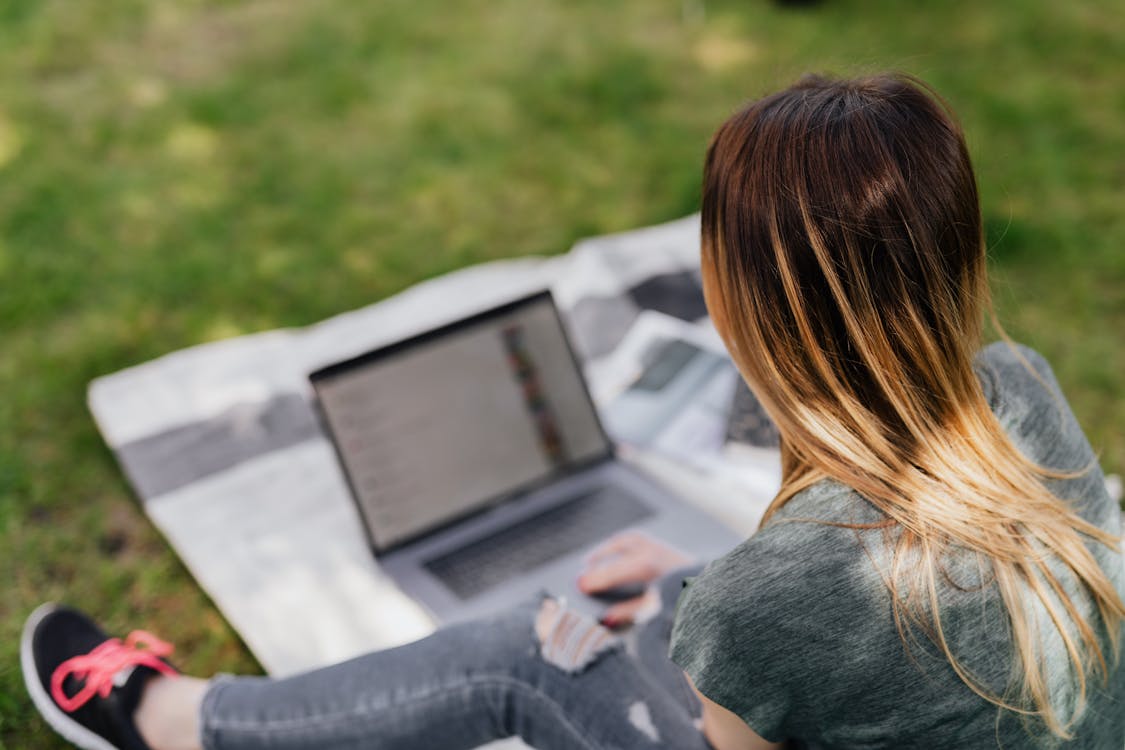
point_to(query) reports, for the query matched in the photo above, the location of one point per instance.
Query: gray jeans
(468, 684)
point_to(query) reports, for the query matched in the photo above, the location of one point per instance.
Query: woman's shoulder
(767, 629)
(1029, 405)
(1022, 391)
(1008, 368)
(825, 534)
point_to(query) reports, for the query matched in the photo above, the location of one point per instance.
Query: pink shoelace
(99, 666)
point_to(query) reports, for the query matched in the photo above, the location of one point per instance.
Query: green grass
(174, 172)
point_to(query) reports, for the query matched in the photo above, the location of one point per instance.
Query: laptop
(480, 468)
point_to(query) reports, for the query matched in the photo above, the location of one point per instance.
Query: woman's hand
(625, 561)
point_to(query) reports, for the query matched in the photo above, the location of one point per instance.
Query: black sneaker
(84, 683)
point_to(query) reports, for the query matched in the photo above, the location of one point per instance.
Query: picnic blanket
(221, 443)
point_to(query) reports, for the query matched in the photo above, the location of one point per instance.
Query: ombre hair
(844, 266)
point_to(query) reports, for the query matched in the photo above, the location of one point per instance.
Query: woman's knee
(571, 641)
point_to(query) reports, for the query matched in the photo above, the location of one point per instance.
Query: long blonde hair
(844, 264)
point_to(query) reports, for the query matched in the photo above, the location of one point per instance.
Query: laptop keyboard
(537, 540)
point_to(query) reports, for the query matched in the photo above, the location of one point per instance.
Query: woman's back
(794, 629)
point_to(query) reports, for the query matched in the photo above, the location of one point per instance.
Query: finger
(627, 612)
(621, 571)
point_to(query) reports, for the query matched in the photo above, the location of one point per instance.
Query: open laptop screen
(436, 427)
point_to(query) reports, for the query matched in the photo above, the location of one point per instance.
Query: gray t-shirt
(792, 630)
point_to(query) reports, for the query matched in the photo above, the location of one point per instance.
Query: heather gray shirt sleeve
(793, 630)
(778, 630)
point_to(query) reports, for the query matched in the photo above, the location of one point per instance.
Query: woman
(939, 569)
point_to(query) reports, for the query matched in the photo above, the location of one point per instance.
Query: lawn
(179, 171)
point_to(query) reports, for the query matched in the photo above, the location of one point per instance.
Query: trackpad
(536, 541)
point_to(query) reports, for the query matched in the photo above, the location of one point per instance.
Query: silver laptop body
(480, 468)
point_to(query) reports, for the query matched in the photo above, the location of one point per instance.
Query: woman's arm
(634, 557)
(726, 731)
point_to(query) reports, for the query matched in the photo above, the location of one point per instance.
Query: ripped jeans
(538, 671)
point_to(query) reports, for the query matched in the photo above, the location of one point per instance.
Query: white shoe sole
(59, 720)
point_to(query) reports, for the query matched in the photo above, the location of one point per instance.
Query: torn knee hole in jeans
(568, 640)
